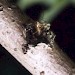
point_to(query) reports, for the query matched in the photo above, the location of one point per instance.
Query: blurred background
(63, 25)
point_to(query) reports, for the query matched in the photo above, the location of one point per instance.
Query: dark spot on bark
(1, 8)
(21, 35)
(8, 32)
(15, 49)
(32, 52)
(25, 48)
(34, 67)
(12, 19)
(3, 33)
(42, 73)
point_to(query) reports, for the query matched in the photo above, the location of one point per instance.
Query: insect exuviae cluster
(37, 33)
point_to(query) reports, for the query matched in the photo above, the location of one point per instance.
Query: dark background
(64, 28)
(9, 65)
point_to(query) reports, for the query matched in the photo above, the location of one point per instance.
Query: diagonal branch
(39, 60)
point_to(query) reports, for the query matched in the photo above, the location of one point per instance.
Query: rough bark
(39, 60)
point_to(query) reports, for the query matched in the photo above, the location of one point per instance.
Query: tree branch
(39, 60)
